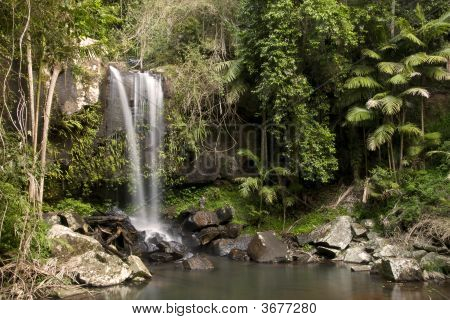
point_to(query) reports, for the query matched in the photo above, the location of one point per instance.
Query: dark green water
(238, 280)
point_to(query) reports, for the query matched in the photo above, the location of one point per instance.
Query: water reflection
(237, 280)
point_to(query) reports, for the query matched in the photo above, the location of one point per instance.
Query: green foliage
(404, 201)
(88, 162)
(74, 205)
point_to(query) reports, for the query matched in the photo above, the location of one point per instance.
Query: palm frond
(362, 70)
(410, 36)
(248, 185)
(358, 114)
(370, 54)
(280, 171)
(390, 67)
(399, 79)
(437, 73)
(361, 82)
(380, 136)
(415, 59)
(445, 52)
(269, 194)
(249, 154)
(389, 105)
(237, 89)
(416, 92)
(409, 129)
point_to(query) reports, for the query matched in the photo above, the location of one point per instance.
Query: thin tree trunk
(389, 157)
(365, 153)
(400, 166)
(264, 141)
(393, 9)
(47, 113)
(422, 114)
(31, 84)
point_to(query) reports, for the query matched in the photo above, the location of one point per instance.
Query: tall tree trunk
(47, 113)
(264, 140)
(402, 138)
(422, 114)
(393, 9)
(366, 166)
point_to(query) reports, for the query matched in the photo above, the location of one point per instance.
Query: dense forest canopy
(343, 91)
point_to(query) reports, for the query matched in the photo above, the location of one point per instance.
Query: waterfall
(144, 126)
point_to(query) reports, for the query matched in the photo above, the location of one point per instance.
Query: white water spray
(147, 113)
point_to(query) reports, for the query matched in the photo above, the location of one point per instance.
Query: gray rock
(336, 234)
(361, 268)
(368, 223)
(358, 230)
(433, 276)
(435, 262)
(419, 254)
(357, 255)
(73, 221)
(225, 214)
(265, 247)
(372, 235)
(98, 269)
(160, 257)
(198, 263)
(401, 269)
(177, 250)
(328, 253)
(238, 255)
(201, 219)
(422, 245)
(222, 247)
(138, 268)
(51, 218)
(65, 243)
(303, 239)
(229, 231)
(389, 251)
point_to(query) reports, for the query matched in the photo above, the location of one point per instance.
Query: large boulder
(229, 231)
(98, 269)
(401, 269)
(225, 215)
(435, 262)
(329, 253)
(65, 243)
(357, 255)
(138, 268)
(73, 221)
(200, 220)
(222, 247)
(265, 247)
(336, 234)
(198, 263)
(389, 251)
(177, 250)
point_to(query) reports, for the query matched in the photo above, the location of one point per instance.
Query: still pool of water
(247, 280)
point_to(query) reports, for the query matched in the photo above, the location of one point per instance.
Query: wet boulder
(198, 263)
(357, 255)
(160, 257)
(229, 231)
(73, 221)
(238, 255)
(222, 247)
(336, 234)
(265, 247)
(400, 269)
(200, 220)
(177, 250)
(138, 268)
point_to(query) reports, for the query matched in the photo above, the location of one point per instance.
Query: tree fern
(370, 54)
(390, 67)
(416, 92)
(358, 114)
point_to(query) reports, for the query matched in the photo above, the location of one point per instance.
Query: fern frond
(362, 70)
(370, 54)
(358, 114)
(437, 73)
(390, 67)
(380, 136)
(268, 194)
(409, 129)
(416, 92)
(361, 82)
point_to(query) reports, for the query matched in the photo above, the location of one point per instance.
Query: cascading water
(144, 127)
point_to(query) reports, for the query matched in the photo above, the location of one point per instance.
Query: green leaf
(389, 105)
(362, 70)
(410, 129)
(437, 73)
